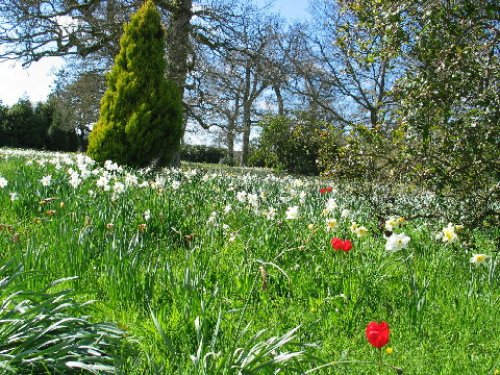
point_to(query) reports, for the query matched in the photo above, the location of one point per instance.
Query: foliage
(202, 154)
(292, 144)
(62, 140)
(450, 100)
(445, 132)
(25, 125)
(46, 332)
(140, 120)
(22, 126)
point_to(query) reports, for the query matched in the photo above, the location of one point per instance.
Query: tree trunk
(178, 43)
(230, 142)
(178, 49)
(279, 99)
(247, 104)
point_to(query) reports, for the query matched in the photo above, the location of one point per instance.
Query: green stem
(380, 360)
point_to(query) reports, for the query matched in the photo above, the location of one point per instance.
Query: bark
(178, 42)
(279, 100)
(178, 51)
(247, 123)
(230, 142)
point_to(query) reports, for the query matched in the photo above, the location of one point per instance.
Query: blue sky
(292, 9)
(36, 81)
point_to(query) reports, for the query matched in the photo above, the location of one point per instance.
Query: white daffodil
(75, 180)
(393, 222)
(361, 231)
(253, 200)
(331, 205)
(118, 188)
(479, 259)
(46, 180)
(354, 227)
(302, 197)
(110, 166)
(241, 196)
(449, 235)
(271, 213)
(292, 213)
(212, 218)
(232, 237)
(103, 181)
(397, 242)
(131, 180)
(345, 214)
(3, 182)
(330, 224)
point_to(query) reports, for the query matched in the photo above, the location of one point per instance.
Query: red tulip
(347, 245)
(339, 244)
(325, 190)
(377, 334)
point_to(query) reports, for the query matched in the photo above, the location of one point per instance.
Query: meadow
(205, 270)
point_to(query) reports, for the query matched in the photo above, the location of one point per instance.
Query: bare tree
(76, 99)
(230, 81)
(339, 68)
(31, 30)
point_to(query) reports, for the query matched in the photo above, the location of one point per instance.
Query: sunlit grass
(205, 279)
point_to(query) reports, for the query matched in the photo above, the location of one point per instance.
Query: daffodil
(331, 205)
(354, 227)
(271, 213)
(397, 242)
(241, 196)
(46, 180)
(393, 222)
(449, 234)
(361, 231)
(345, 213)
(479, 259)
(331, 224)
(292, 213)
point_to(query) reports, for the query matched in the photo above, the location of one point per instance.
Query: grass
(196, 281)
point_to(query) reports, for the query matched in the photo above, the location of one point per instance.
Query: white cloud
(34, 82)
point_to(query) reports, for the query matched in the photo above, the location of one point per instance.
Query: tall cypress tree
(140, 121)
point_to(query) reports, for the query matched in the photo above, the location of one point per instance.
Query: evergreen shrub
(140, 120)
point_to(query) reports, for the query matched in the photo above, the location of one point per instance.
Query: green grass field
(212, 271)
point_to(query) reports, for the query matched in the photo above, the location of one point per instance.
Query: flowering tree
(445, 133)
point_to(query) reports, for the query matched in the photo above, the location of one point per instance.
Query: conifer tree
(140, 120)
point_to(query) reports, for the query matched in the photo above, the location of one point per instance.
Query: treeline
(378, 92)
(36, 126)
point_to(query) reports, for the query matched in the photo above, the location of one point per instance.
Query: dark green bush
(24, 126)
(62, 140)
(202, 154)
(291, 144)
